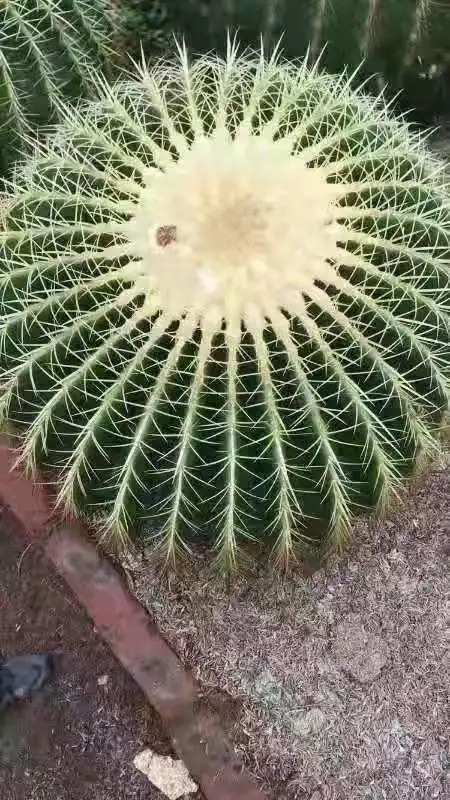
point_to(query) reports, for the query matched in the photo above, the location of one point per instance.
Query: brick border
(133, 637)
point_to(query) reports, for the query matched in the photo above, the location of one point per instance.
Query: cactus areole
(225, 305)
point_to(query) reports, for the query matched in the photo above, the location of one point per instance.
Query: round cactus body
(225, 305)
(49, 50)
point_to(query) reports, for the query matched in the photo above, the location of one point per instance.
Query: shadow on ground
(77, 738)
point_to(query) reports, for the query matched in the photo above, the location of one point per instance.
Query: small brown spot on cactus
(166, 234)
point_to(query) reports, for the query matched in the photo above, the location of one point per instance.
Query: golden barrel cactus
(225, 305)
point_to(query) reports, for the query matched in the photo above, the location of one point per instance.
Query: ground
(77, 739)
(339, 676)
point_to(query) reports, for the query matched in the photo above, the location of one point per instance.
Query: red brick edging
(196, 733)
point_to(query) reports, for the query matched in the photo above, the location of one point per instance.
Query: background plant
(49, 53)
(405, 41)
(147, 25)
(225, 305)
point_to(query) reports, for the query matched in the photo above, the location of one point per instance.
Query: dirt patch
(77, 739)
(339, 677)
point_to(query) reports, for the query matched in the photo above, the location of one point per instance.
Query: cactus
(225, 305)
(49, 51)
(404, 41)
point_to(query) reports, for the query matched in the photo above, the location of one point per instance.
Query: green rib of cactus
(225, 305)
(49, 51)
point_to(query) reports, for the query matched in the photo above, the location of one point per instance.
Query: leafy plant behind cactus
(49, 52)
(405, 41)
(144, 25)
(226, 305)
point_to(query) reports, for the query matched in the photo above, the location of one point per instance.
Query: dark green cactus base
(146, 502)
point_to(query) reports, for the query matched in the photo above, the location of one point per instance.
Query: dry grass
(341, 676)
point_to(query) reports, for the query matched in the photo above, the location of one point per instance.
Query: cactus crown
(49, 50)
(225, 304)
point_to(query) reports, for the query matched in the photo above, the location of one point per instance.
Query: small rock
(103, 680)
(169, 775)
(23, 676)
(359, 652)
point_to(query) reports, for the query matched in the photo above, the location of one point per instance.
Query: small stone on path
(169, 775)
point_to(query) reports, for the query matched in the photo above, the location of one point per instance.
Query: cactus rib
(50, 52)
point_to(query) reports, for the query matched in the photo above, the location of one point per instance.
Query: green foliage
(225, 305)
(406, 42)
(144, 24)
(49, 52)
